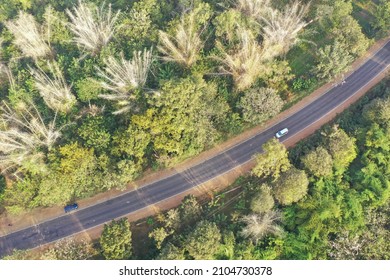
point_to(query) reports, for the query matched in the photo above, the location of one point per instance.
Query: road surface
(168, 187)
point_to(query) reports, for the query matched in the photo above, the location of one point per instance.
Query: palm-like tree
(22, 134)
(93, 28)
(122, 77)
(281, 29)
(258, 226)
(245, 63)
(28, 36)
(54, 90)
(184, 46)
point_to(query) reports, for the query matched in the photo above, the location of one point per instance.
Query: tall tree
(54, 91)
(185, 44)
(122, 77)
(245, 63)
(319, 162)
(93, 28)
(204, 241)
(332, 61)
(273, 160)
(262, 201)
(116, 240)
(291, 186)
(260, 104)
(253, 8)
(281, 29)
(28, 36)
(259, 226)
(22, 136)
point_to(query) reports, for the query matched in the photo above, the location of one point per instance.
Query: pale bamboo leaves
(246, 63)
(28, 36)
(259, 226)
(93, 28)
(22, 135)
(185, 45)
(54, 90)
(281, 29)
(122, 77)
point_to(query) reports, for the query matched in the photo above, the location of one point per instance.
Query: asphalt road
(126, 203)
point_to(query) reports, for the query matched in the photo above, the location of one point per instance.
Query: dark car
(70, 207)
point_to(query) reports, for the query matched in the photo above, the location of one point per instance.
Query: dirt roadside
(39, 215)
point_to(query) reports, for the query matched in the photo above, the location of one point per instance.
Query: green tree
(262, 201)
(226, 24)
(131, 143)
(260, 104)
(116, 240)
(94, 133)
(382, 16)
(350, 34)
(332, 61)
(74, 172)
(69, 249)
(171, 252)
(21, 196)
(183, 118)
(318, 162)
(291, 186)
(159, 235)
(342, 148)
(278, 75)
(139, 29)
(185, 44)
(88, 89)
(172, 219)
(336, 19)
(378, 110)
(204, 241)
(190, 209)
(273, 160)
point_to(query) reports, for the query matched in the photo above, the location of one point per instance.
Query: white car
(281, 133)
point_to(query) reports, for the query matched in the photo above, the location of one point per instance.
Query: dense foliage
(338, 209)
(335, 209)
(94, 93)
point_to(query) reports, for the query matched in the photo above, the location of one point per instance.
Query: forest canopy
(121, 87)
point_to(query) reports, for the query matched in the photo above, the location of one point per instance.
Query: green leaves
(116, 240)
(291, 186)
(332, 61)
(260, 104)
(183, 118)
(204, 241)
(273, 160)
(319, 162)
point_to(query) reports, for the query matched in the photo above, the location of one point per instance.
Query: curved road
(179, 182)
